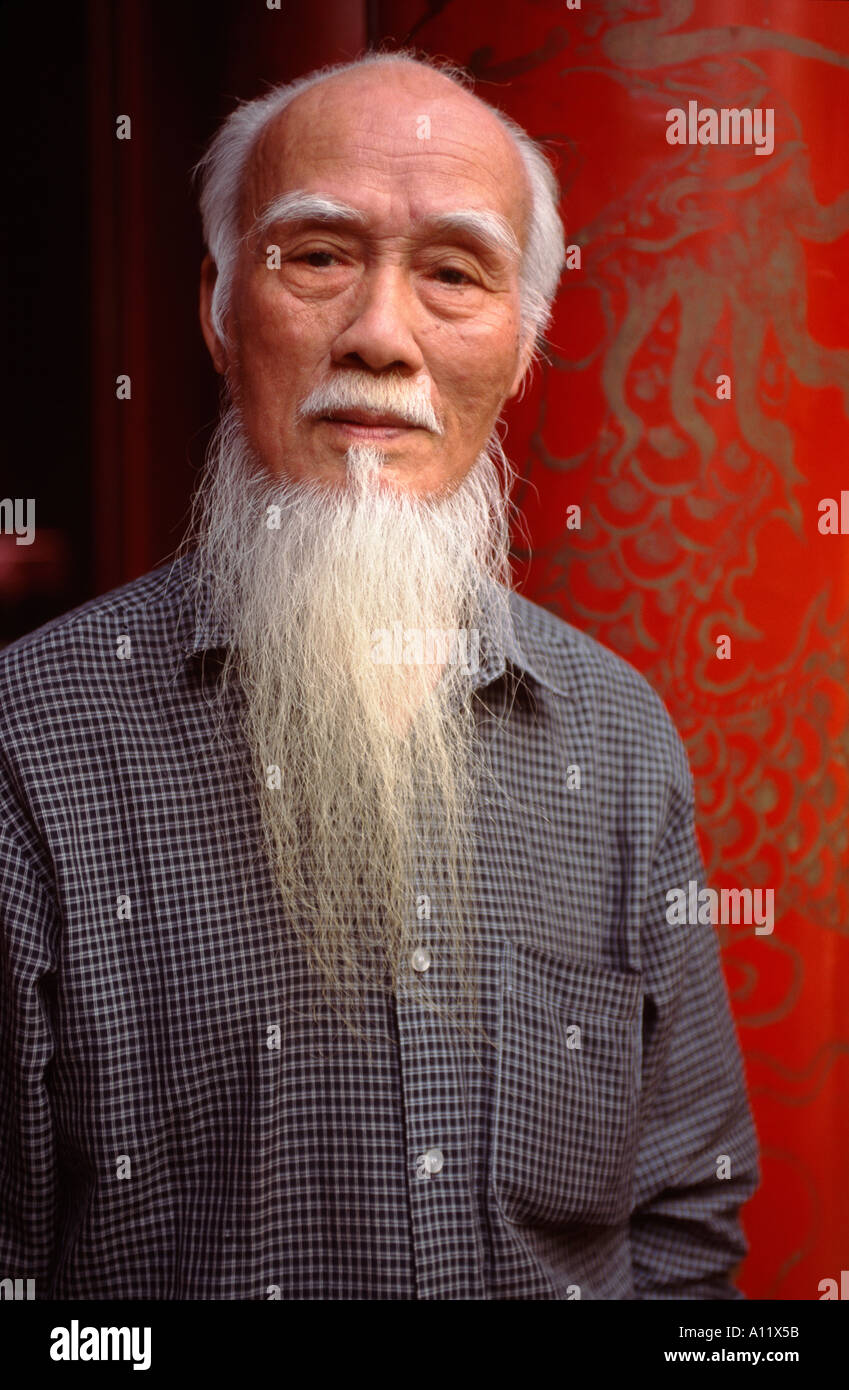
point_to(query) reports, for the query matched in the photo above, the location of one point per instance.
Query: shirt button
(420, 959)
(433, 1160)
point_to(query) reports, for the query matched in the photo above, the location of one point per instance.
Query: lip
(365, 426)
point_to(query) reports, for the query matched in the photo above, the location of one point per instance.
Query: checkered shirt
(182, 1116)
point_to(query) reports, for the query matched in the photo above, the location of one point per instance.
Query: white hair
(222, 168)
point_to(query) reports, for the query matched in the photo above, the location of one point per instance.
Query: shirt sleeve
(698, 1157)
(28, 936)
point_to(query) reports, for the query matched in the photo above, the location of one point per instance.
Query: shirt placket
(446, 1235)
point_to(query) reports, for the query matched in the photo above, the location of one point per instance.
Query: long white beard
(351, 752)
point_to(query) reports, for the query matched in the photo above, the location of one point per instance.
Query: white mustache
(359, 391)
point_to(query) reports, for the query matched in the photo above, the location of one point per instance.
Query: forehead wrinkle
(367, 159)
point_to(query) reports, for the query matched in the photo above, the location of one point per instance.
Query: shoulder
(69, 652)
(620, 701)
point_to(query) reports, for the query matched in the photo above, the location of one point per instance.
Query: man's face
(393, 295)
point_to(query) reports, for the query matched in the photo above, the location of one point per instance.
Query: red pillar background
(699, 515)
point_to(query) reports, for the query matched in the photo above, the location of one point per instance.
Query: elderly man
(336, 962)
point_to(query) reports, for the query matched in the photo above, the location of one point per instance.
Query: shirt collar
(524, 649)
(521, 649)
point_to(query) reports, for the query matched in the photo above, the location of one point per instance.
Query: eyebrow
(305, 207)
(489, 228)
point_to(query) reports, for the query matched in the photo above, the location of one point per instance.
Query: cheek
(279, 347)
(473, 370)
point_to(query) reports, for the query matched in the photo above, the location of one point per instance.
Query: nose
(380, 335)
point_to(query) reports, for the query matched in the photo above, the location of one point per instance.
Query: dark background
(101, 268)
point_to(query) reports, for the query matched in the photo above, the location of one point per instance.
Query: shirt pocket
(567, 1094)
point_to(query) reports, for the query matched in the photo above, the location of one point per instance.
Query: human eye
(316, 258)
(453, 276)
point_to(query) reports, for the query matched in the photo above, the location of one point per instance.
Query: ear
(208, 276)
(526, 353)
